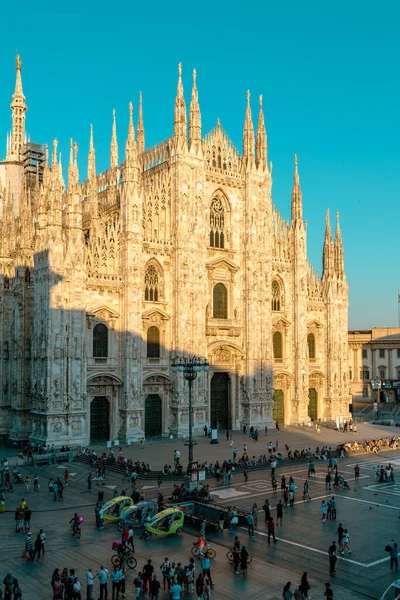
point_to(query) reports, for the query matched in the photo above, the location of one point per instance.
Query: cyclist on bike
(237, 545)
(200, 545)
(76, 522)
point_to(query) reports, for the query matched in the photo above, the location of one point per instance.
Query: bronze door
(99, 419)
(312, 405)
(153, 416)
(220, 401)
(278, 409)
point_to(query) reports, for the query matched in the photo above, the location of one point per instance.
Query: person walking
(245, 474)
(89, 584)
(329, 509)
(138, 585)
(304, 585)
(346, 541)
(36, 485)
(206, 567)
(291, 498)
(328, 481)
(27, 519)
(323, 511)
(29, 546)
(66, 476)
(357, 471)
(271, 530)
(165, 569)
(328, 593)
(147, 576)
(394, 554)
(236, 559)
(250, 523)
(254, 512)
(103, 580)
(306, 492)
(339, 533)
(287, 593)
(89, 482)
(131, 533)
(243, 560)
(55, 490)
(154, 588)
(286, 496)
(267, 510)
(279, 513)
(332, 558)
(334, 508)
(27, 483)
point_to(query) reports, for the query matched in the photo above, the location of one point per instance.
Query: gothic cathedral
(177, 250)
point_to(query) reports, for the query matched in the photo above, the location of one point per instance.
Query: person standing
(176, 591)
(27, 484)
(89, 584)
(346, 542)
(36, 486)
(267, 510)
(236, 559)
(138, 584)
(243, 560)
(323, 511)
(328, 481)
(29, 545)
(27, 519)
(245, 474)
(328, 593)
(89, 482)
(66, 476)
(55, 490)
(154, 588)
(115, 578)
(339, 533)
(147, 576)
(103, 580)
(291, 498)
(305, 586)
(356, 472)
(206, 567)
(329, 509)
(254, 512)
(131, 533)
(394, 554)
(271, 530)
(234, 452)
(332, 558)
(334, 508)
(165, 569)
(250, 523)
(306, 491)
(287, 593)
(279, 513)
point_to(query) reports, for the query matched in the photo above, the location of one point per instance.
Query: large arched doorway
(99, 419)
(152, 416)
(312, 405)
(220, 401)
(278, 409)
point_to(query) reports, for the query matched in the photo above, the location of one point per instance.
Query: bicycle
(75, 531)
(229, 556)
(207, 551)
(118, 560)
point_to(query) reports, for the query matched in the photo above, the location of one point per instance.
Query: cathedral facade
(177, 250)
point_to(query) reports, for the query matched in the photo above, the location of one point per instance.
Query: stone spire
(140, 127)
(328, 254)
(261, 140)
(195, 116)
(339, 254)
(73, 173)
(248, 135)
(180, 113)
(297, 201)
(114, 144)
(91, 158)
(18, 108)
(130, 141)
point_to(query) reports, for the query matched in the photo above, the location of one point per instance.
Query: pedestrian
(234, 452)
(291, 498)
(356, 472)
(103, 580)
(221, 519)
(306, 492)
(206, 567)
(236, 559)
(328, 481)
(36, 485)
(89, 482)
(332, 558)
(279, 513)
(115, 578)
(339, 533)
(323, 511)
(60, 490)
(89, 584)
(66, 475)
(131, 533)
(10, 584)
(394, 553)
(27, 519)
(142, 444)
(56, 585)
(138, 584)
(254, 511)
(334, 508)
(27, 483)
(55, 490)
(227, 435)
(346, 542)
(271, 530)
(199, 585)
(328, 593)
(304, 585)
(147, 575)
(154, 588)
(51, 484)
(76, 593)
(29, 546)
(176, 591)
(285, 496)
(245, 474)
(165, 569)
(250, 523)
(329, 509)
(243, 560)
(287, 593)
(274, 484)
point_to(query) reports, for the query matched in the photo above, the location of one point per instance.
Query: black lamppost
(189, 366)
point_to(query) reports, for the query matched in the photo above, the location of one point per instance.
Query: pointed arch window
(151, 284)
(217, 224)
(153, 342)
(276, 296)
(277, 345)
(220, 302)
(311, 346)
(100, 341)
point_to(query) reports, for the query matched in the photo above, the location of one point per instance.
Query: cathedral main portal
(220, 405)
(153, 416)
(99, 419)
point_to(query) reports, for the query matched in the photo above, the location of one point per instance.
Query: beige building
(176, 250)
(375, 354)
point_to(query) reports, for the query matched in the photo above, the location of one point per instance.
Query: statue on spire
(180, 113)
(261, 140)
(248, 135)
(18, 109)
(194, 117)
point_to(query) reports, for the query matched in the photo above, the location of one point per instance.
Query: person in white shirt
(89, 585)
(77, 589)
(103, 579)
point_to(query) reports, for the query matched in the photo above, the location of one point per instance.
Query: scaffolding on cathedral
(33, 159)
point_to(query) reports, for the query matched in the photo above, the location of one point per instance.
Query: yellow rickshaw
(166, 522)
(114, 508)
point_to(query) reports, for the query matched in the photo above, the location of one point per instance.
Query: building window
(311, 345)
(276, 296)
(398, 352)
(151, 284)
(350, 374)
(153, 342)
(382, 372)
(217, 224)
(364, 353)
(100, 341)
(277, 345)
(365, 374)
(381, 353)
(220, 302)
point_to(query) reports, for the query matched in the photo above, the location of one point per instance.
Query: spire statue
(18, 108)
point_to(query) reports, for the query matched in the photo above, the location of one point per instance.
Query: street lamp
(189, 366)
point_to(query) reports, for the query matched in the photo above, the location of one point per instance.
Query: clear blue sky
(328, 72)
